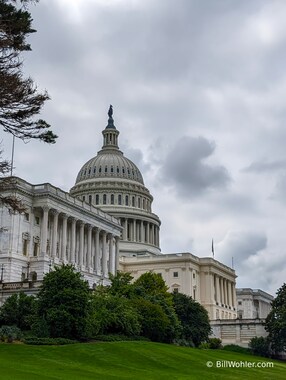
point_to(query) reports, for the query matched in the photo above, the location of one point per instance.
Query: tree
(18, 310)
(20, 101)
(275, 322)
(121, 284)
(64, 303)
(193, 317)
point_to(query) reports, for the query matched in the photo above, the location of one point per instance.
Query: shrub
(10, 333)
(259, 346)
(48, 341)
(204, 346)
(119, 338)
(215, 343)
(236, 348)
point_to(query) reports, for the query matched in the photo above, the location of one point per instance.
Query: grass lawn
(127, 360)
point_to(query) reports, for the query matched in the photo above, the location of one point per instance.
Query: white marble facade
(56, 228)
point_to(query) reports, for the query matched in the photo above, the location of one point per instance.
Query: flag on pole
(213, 247)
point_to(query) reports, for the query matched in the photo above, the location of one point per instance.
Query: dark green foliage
(151, 284)
(64, 303)
(19, 99)
(18, 310)
(275, 323)
(193, 317)
(10, 333)
(121, 284)
(215, 343)
(48, 341)
(119, 338)
(155, 324)
(112, 314)
(236, 348)
(259, 346)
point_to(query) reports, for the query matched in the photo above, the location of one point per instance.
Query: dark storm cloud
(186, 167)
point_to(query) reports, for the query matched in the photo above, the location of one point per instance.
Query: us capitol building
(104, 224)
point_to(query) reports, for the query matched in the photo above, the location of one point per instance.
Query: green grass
(126, 360)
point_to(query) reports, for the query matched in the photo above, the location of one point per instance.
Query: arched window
(143, 204)
(83, 198)
(97, 199)
(126, 200)
(117, 169)
(99, 170)
(119, 199)
(133, 201)
(123, 170)
(105, 169)
(111, 169)
(104, 199)
(94, 170)
(89, 199)
(112, 199)
(139, 202)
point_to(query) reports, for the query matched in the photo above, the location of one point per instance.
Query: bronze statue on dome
(110, 111)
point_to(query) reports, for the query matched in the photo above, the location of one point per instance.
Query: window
(37, 220)
(27, 216)
(112, 199)
(99, 170)
(111, 169)
(83, 198)
(94, 170)
(139, 202)
(36, 248)
(194, 275)
(104, 199)
(34, 276)
(176, 290)
(119, 199)
(126, 200)
(97, 199)
(25, 247)
(89, 171)
(105, 169)
(117, 169)
(175, 274)
(133, 201)
(89, 199)
(123, 170)
(159, 274)
(239, 302)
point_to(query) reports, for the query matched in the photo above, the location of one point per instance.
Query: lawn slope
(126, 360)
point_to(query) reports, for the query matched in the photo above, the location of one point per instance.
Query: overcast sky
(199, 96)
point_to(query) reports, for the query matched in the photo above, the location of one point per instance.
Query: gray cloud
(266, 166)
(186, 169)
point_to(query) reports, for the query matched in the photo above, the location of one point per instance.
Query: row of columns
(224, 291)
(140, 231)
(78, 243)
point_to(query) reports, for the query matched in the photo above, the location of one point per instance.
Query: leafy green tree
(112, 314)
(64, 303)
(275, 322)
(121, 284)
(193, 317)
(18, 310)
(153, 288)
(260, 346)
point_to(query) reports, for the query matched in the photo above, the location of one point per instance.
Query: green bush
(204, 346)
(119, 338)
(236, 348)
(184, 343)
(10, 333)
(215, 343)
(259, 346)
(48, 341)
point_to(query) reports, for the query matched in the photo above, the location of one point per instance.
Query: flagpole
(213, 247)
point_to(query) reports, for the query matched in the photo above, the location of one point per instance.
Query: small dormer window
(123, 170)
(111, 169)
(105, 169)
(117, 169)
(99, 170)
(94, 170)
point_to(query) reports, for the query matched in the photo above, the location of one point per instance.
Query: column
(64, 238)
(104, 255)
(152, 234)
(97, 253)
(218, 290)
(44, 231)
(142, 235)
(55, 233)
(116, 254)
(148, 233)
(88, 259)
(111, 255)
(73, 233)
(134, 230)
(125, 227)
(229, 294)
(81, 243)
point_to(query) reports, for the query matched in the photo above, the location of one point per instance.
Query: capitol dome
(114, 183)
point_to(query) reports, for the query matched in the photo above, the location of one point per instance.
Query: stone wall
(238, 331)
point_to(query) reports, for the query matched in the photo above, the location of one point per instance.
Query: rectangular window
(37, 220)
(175, 290)
(175, 274)
(25, 247)
(36, 249)
(27, 216)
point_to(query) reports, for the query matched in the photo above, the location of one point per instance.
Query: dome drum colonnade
(113, 183)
